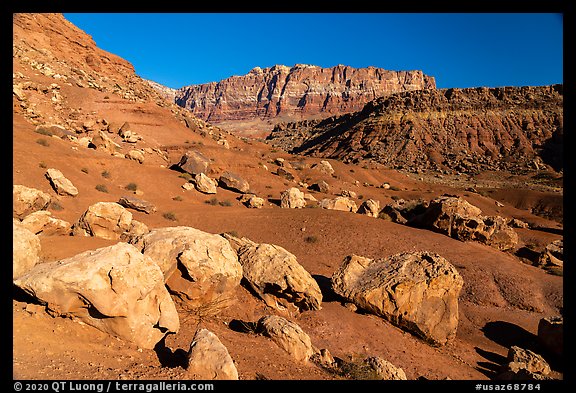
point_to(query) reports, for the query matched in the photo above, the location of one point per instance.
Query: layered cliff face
(296, 93)
(463, 130)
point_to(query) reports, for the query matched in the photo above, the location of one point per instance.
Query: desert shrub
(311, 239)
(178, 198)
(85, 170)
(225, 203)
(233, 233)
(101, 188)
(131, 186)
(42, 164)
(169, 216)
(394, 188)
(105, 174)
(212, 201)
(54, 205)
(42, 142)
(186, 176)
(44, 131)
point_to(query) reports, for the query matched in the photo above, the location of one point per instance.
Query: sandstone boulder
(26, 200)
(455, 217)
(339, 203)
(136, 155)
(321, 186)
(101, 141)
(275, 275)
(199, 267)
(292, 198)
(252, 201)
(524, 364)
(115, 289)
(194, 162)
(324, 167)
(208, 358)
(369, 207)
(108, 220)
(416, 291)
(60, 184)
(138, 204)
(128, 134)
(234, 182)
(25, 249)
(287, 335)
(42, 222)
(552, 255)
(282, 172)
(551, 334)
(205, 184)
(402, 211)
(384, 369)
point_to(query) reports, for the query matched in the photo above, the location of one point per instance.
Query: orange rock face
(298, 92)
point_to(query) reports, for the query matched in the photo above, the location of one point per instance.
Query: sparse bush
(105, 174)
(169, 216)
(311, 239)
(225, 203)
(85, 170)
(42, 164)
(186, 176)
(42, 142)
(233, 233)
(395, 197)
(131, 186)
(102, 188)
(212, 201)
(394, 188)
(44, 131)
(178, 198)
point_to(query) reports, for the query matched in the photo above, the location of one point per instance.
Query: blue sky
(459, 50)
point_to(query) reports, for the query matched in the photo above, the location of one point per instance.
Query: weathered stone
(61, 184)
(553, 254)
(524, 364)
(292, 198)
(385, 370)
(208, 358)
(275, 275)
(115, 289)
(25, 249)
(551, 334)
(282, 172)
(127, 133)
(324, 167)
(42, 222)
(101, 141)
(199, 267)
(141, 205)
(288, 336)
(348, 194)
(321, 186)
(136, 155)
(108, 220)
(188, 186)
(415, 291)
(339, 203)
(26, 200)
(252, 201)
(369, 207)
(194, 162)
(205, 184)
(54, 129)
(455, 217)
(516, 223)
(234, 182)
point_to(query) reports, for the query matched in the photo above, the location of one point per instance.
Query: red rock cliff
(300, 92)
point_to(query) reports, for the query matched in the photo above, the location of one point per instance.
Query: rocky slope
(297, 92)
(463, 130)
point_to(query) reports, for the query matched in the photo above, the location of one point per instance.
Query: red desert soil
(500, 305)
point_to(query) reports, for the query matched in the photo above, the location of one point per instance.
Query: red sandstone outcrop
(297, 92)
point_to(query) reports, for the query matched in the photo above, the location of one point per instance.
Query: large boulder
(61, 184)
(415, 291)
(208, 358)
(552, 255)
(252, 201)
(524, 364)
(101, 141)
(369, 207)
(194, 162)
(324, 167)
(384, 369)
(455, 217)
(275, 275)
(321, 186)
(115, 289)
(292, 198)
(199, 267)
(42, 222)
(234, 182)
(205, 184)
(288, 336)
(339, 203)
(25, 249)
(26, 200)
(138, 204)
(108, 220)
